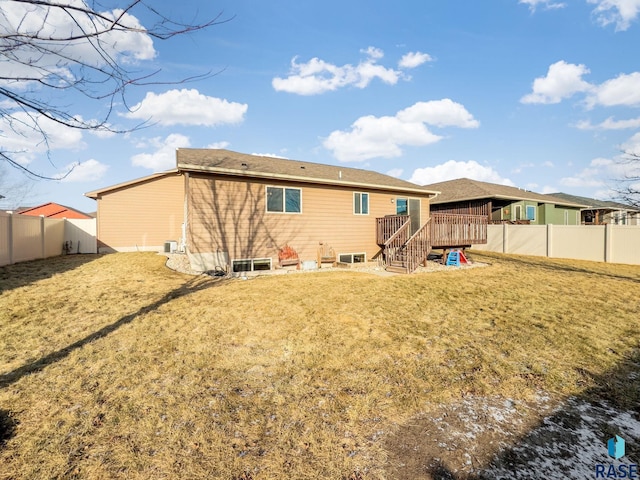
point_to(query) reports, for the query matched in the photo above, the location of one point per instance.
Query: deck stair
(403, 252)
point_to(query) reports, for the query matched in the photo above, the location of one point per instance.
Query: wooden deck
(403, 253)
(453, 230)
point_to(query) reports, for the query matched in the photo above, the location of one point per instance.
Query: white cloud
(546, 4)
(521, 167)
(57, 57)
(23, 134)
(372, 137)
(600, 171)
(87, 171)
(546, 189)
(272, 155)
(440, 113)
(164, 158)
(218, 145)
(610, 124)
(395, 172)
(414, 59)
(454, 169)
(618, 12)
(317, 76)
(622, 90)
(548, 164)
(187, 107)
(562, 81)
(632, 146)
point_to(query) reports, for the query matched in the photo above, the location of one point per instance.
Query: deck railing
(394, 246)
(418, 247)
(451, 230)
(387, 226)
(441, 230)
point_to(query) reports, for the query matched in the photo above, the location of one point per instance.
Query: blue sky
(542, 95)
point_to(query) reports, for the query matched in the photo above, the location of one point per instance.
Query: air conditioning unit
(170, 246)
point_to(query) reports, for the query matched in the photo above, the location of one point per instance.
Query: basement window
(250, 265)
(352, 257)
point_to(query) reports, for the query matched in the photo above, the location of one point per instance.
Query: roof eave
(96, 193)
(510, 197)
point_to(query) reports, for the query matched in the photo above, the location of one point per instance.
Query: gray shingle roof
(241, 164)
(466, 189)
(594, 203)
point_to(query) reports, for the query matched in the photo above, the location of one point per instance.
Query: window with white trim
(531, 213)
(360, 203)
(284, 200)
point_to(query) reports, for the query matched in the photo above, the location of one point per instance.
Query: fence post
(42, 242)
(504, 238)
(10, 238)
(607, 242)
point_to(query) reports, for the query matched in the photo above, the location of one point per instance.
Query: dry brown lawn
(117, 367)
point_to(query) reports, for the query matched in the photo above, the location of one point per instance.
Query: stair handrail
(417, 255)
(393, 246)
(403, 227)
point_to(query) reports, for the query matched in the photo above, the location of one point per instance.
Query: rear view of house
(236, 211)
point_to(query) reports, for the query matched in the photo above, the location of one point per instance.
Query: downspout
(185, 223)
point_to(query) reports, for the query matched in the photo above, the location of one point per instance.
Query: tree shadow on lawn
(550, 264)
(195, 284)
(25, 273)
(481, 438)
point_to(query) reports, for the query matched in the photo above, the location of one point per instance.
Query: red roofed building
(53, 210)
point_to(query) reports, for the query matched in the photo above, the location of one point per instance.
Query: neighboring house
(52, 210)
(600, 212)
(236, 211)
(503, 204)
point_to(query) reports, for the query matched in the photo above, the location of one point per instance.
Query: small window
(284, 200)
(251, 264)
(531, 212)
(361, 203)
(352, 257)
(402, 206)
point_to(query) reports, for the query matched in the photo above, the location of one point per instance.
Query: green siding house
(502, 203)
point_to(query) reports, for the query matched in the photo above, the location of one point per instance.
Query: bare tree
(52, 51)
(628, 187)
(13, 192)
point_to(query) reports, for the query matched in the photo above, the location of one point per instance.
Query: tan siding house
(229, 216)
(140, 215)
(238, 207)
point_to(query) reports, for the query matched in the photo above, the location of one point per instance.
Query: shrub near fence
(23, 237)
(600, 243)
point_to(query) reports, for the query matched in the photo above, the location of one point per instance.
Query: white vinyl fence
(23, 237)
(600, 243)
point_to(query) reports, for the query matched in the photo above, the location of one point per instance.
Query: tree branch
(70, 48)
